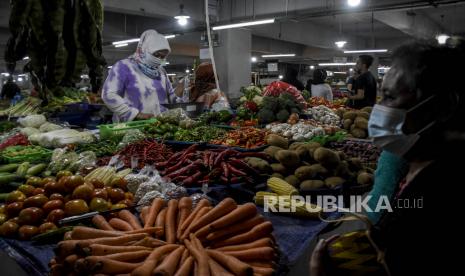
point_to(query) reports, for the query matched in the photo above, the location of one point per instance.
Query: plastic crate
(108, 131)
(44, 155)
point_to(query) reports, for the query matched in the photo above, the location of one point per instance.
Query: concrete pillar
(232, 59)
(374, 67)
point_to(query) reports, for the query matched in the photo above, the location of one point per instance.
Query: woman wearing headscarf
(319, 87)
(137, 86)
(204, 89)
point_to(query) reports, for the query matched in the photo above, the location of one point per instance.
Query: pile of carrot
(172, 238)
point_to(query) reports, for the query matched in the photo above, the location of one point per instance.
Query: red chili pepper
(222, 156)
(185, 169)
(190, 180)
(243, 166)
(225, 169)
(212, 159)
(236, 171)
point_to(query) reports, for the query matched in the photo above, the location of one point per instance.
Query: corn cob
(281, 187)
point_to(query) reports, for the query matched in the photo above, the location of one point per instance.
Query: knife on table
(79, 218)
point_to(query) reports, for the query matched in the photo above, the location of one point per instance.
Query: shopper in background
(9, 89)
(137, 86)
(421, 120)
(203, 90)
(365, 93)
(291, 78)
(351, 82)
(319, 87)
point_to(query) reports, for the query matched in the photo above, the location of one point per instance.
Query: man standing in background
(365, 84)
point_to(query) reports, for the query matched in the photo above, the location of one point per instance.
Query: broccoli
(270, 103)
(282, 115)
(265, 116)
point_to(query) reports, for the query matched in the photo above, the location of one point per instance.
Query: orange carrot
(262, 264)
(170, 263)
(255, 254)
(199, 215)
(263, 271)
(160, 222)
(82, 233)
(57, 270)
(101, 264)
(122, 240)
(259, 231)
(223, 208)
(130, 218)
(149, 231)
(102, 250)
(184, 209)
(170, 221)
(70, 260)
(186, 267)
(239, 227)
(242, 212)
(258, 243)
(217, 269)
(120, 224)
(151, 262)
(101, 223)
(134, 256)
(150, 242)
(157, 205)
(231, 263)
(65, 248)
(202, 262)
(143, 213)
(184, 256)
(202, 203)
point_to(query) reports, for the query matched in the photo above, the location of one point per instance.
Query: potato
(343, 170)
(365, 178)
(293, 180)
(361, 123)
(304, 173)
(334, 181)
(302, 152)
(358, 133)
(367, 109)
(271, 150)
(347, 123)
(309, 185)
(259, 164)
(318, 169)
(349, 115)
(326, 157)
(278, 175)
(288, 158)
(295, 145)
(363, 114)
(277, 141)
(279, 168)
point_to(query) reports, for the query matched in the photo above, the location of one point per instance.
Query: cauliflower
(258, 100)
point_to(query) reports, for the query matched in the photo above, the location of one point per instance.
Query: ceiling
(309, 28)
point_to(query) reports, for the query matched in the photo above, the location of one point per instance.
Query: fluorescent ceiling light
(109, 67)
(132, 40)
(121, 45)
(243, 24)
(278, 55)
(170, 36)
(337, 64)
(312, 67)
(167, 63)
(280, 76)
(344, 73)
(442, 38)
(366, 51)
(171, 74)
(353, 3)
(351, 69)
(20, 79)
(253, 59)
(187, 71)
(340, 44)
(6, 74)
(182, 17)
(25, 58)
(84, 76)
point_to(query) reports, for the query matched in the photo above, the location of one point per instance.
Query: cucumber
(52, 236)
(3, 196)
(9, 168)
(22, 169)
(36, 169)
(7, 178)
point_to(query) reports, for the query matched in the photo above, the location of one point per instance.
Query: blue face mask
(385, 127)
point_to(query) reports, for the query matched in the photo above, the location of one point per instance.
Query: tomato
(101, 193)
(15, 220)
(52, 205)
(54, 187)
(48, 179)
(71, 182)
(26, 232)
(116, 194)
(55, 215)
(34, 181)
(97, 183)
(26, 189)
(56, 196)
(119, 182)
(9, 229)
(35, 201)
(83, 192)
(60, 174)
(47, 227)
(13, 209)
(15, 196)
(31, 215)
(76, 207)
(38, 191)
(98, 204)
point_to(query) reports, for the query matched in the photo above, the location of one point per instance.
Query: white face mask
(385, 127)
(155, 62)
